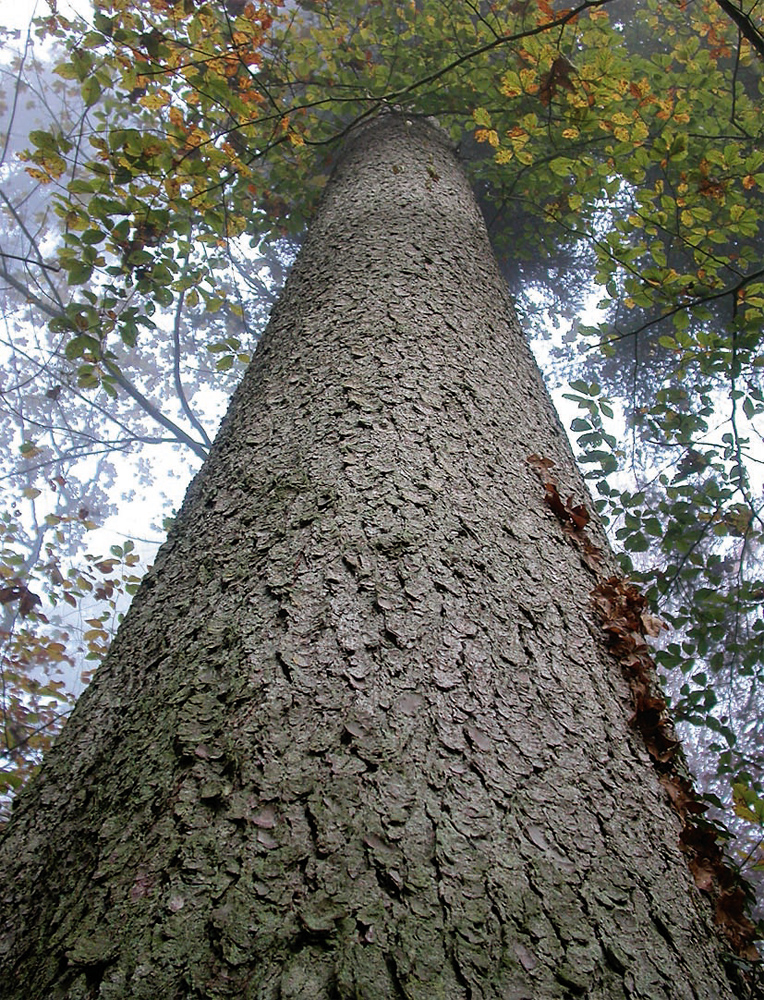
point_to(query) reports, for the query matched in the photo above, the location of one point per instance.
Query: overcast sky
(18, 13)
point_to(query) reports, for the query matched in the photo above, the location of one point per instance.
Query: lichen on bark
(359, 736)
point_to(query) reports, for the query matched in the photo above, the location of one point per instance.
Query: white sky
(18, 13)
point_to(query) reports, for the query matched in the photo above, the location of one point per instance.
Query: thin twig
(745, 25)
(28, 260)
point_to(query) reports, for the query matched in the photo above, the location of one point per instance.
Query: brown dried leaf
(662, 748)
(558, 76)
(579, 515)
(553, 500)
(682, 795)
(731, 917)
(652, 626)
(539, 463)
(703, 874)
(592, 554)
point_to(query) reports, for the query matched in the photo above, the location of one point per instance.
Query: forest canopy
(160, 163)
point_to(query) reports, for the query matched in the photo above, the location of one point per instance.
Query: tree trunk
(358, 736)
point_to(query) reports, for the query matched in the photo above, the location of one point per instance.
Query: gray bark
(359, 736)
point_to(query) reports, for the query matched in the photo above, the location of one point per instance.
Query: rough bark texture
(358, 736)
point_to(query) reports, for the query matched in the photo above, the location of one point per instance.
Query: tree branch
(745, 25)
(131, 390)
(699, 301)
(28, 260)
(134, 393)
(176, 369)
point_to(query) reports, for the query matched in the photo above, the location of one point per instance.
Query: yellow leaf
(38, 175)
(640, 88)
(570, 133)
(639, 132)
(510, 84)
(155, 101)
(528, 80)
(489, 135)
(196, 137)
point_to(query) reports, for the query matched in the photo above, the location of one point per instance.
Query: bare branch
(745, 25)
(176, 369)
(28, 260)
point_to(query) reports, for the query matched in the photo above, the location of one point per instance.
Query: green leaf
(87, 377)
(78, 272)
(91, 90)
(163, 295)
(561, 166)
(44, 140)
(79, 346)
(79, 186)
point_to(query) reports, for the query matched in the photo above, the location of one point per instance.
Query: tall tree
(604, 140)
(359, 735)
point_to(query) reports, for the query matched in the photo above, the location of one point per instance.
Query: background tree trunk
(358, 735)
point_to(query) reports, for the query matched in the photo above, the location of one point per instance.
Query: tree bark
(359, 736)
